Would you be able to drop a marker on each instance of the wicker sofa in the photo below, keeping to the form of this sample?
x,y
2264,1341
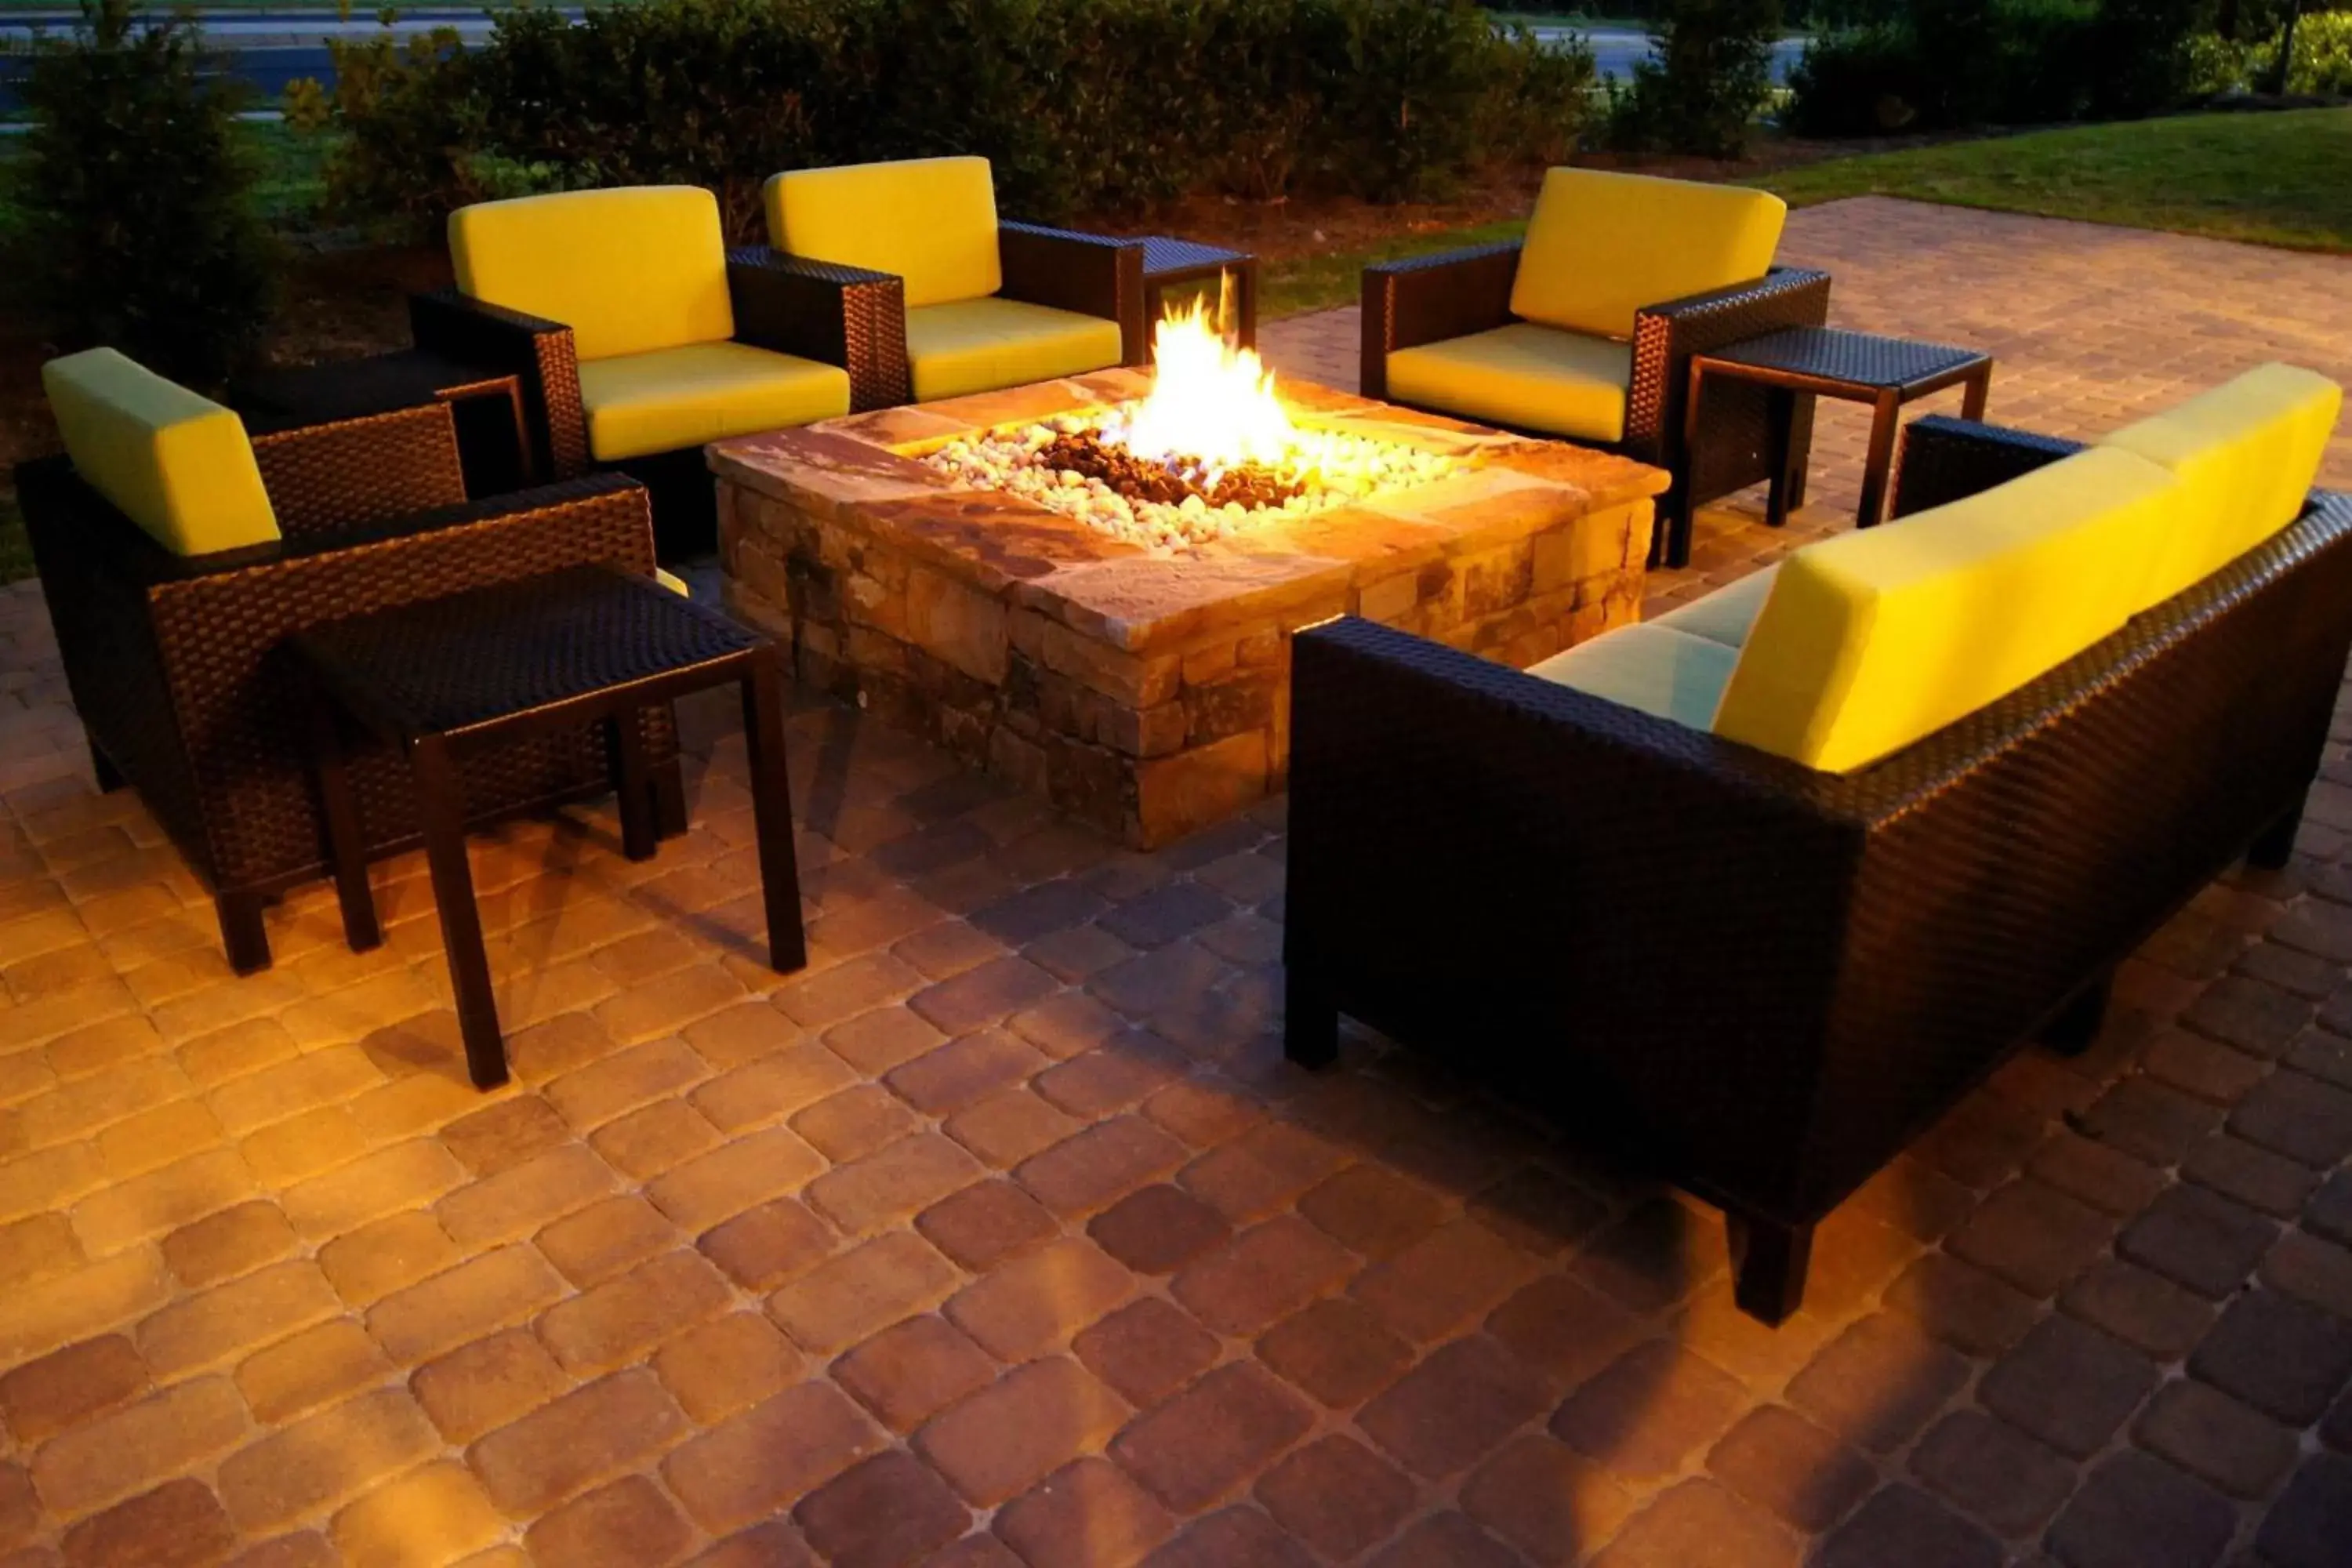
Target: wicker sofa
x,y
1763,975
1585,330
639,337
177,557
981,304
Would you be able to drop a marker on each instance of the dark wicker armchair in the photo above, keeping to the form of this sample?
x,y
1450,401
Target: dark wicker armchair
x,y
176,663
1428,299
1764,979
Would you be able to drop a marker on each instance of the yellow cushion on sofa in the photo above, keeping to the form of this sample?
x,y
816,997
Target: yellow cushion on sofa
x,y
979,345
177,464
1522,375
2247,452
629,270
1652,668
1601,246
931,221
670,398
1870,640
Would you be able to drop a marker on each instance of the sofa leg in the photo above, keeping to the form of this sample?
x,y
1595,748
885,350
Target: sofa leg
x,y
1311,1020
2275,846
244,936
2070,1031
109,777
1768,1262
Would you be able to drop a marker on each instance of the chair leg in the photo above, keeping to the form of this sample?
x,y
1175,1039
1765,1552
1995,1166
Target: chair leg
x,y
625,749
1769,1261
2076,1024
2275,846
109,777
245,938
772,813
346,852
1310,1019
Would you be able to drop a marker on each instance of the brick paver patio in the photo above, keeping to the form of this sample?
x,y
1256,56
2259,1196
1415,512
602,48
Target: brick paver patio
x,y
1005,1235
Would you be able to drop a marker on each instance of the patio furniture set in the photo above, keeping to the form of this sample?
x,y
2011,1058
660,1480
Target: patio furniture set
x,y
1789,870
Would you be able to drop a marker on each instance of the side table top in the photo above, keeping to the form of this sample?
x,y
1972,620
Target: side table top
x,y
354,389
1164,255
1859,359
444,666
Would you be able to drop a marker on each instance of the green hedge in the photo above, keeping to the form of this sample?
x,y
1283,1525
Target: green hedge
x,y
1083,105
2322,59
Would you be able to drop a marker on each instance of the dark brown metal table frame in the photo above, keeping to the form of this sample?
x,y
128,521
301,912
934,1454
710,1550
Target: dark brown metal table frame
x,y
1886,421
1241,263
433,757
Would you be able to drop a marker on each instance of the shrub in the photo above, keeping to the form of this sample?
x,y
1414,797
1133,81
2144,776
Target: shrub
x,y
1709,75
2322,59
134,195
1081,105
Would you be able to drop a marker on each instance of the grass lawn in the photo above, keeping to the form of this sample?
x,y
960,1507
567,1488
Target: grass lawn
x,y
2271,179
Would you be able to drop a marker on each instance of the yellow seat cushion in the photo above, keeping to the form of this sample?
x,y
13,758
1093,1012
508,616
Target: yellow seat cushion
x,y
1654,668
671,398
1601,246
177,464
931,221
1728,614
979,345
629,270
1522,375
2247,451
1870,640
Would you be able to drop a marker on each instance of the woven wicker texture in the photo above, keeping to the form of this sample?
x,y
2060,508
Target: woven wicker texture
x,y
1771,977
490,653
1864,359
848,316
1946,459
178,672
350,472
1092,274
1163,255
447,322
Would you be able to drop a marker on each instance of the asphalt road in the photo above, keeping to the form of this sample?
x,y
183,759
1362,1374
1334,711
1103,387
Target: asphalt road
x,y
275,50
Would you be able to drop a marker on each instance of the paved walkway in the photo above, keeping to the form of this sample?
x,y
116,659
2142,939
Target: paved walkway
x,y
1003,1236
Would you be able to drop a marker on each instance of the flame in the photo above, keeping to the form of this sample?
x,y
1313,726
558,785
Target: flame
x,y
1210,405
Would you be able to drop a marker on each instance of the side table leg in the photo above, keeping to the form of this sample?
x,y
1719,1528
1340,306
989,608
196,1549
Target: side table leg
x,y
1980,387
1885,420
771,811
345,851
625,743
1249,302
1780,423
441,803
1682,517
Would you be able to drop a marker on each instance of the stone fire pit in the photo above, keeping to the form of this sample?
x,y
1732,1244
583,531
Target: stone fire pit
x,y
1146,690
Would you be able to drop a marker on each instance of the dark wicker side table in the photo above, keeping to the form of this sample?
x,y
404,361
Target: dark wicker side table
x,y
439,678
1167,260
494,444
1858,367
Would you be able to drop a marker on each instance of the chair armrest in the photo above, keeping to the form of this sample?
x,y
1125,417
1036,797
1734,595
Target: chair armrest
x,y
1092,274
848,316
1419,300
1665,336
1946,459
327,477
538,351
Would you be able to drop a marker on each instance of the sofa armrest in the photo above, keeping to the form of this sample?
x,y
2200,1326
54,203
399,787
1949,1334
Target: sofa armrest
x,y
1665,335
326,476
1422,299
1946,459
1092,274
848,316
538,351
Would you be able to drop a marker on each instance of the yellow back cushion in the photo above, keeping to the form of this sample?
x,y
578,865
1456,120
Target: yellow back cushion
x,y
629,270
2247,451
931,221
177,464
1870,640
1601,246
